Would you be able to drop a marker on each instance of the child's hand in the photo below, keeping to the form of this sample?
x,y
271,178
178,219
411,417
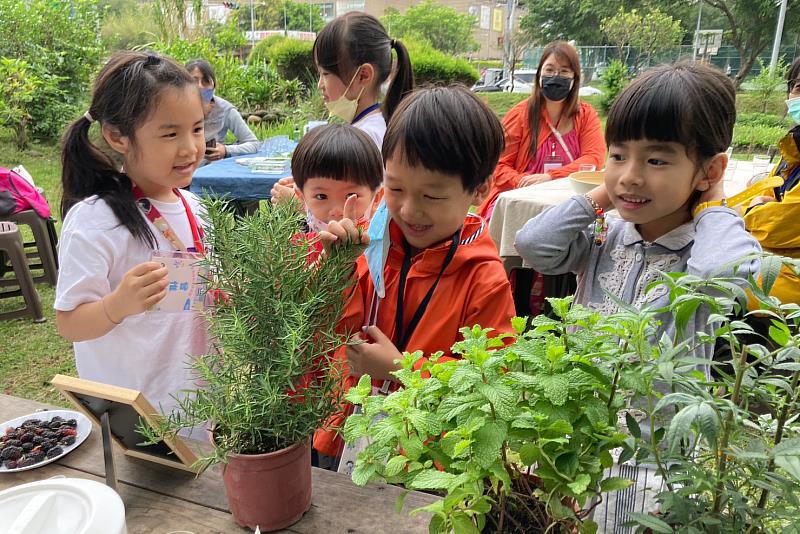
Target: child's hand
x,y
600,195
216,153
282,189
345,231
758,201
532,179
714,192
141,287
375,359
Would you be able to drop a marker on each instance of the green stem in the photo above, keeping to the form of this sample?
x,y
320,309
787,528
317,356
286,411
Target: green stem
x,y
789,402
721,458
654,443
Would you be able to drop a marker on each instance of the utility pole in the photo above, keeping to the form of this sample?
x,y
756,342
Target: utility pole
x,y
696,40
252,25
776,45
507,48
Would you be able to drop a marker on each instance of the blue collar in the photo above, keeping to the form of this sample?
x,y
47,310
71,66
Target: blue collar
x,y
366,112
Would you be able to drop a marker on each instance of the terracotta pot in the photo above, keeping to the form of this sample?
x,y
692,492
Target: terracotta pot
x,y
269,491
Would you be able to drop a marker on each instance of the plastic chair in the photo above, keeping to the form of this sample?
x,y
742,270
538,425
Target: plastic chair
x,y
41,252
13,251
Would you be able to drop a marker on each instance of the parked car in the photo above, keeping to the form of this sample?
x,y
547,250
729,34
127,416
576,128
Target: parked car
x,y
523,81
489,81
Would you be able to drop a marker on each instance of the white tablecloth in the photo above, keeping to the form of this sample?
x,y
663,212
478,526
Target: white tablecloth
x,y
515,208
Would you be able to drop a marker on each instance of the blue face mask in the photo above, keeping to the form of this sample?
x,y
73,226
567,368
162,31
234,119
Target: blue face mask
x,y
793,105
206,95
378,249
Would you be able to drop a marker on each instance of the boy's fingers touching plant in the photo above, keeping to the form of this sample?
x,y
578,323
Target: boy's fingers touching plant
x,y
375,358
344,232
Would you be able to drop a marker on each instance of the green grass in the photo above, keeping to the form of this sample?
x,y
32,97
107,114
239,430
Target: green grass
x,y
30,354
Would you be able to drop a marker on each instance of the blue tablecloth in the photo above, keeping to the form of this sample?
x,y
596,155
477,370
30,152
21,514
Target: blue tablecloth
x,y
238,181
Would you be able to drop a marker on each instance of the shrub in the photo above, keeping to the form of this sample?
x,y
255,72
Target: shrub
x,y
16,93
130,26
434,67
615,78
293,60
767,84
262,51
60,43
756,136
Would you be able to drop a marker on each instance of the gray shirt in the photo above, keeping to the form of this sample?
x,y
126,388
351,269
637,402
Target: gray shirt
x,y
223,117
560,240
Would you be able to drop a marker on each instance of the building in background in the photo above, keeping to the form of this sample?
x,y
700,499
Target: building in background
x,y
488,33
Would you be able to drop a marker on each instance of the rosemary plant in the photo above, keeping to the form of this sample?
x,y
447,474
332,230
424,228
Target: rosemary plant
x,y
270,382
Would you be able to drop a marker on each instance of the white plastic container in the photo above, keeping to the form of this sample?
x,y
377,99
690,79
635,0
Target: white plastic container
x,y
61,506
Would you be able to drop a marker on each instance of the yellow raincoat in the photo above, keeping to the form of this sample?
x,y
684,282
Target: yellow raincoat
x,y
777,224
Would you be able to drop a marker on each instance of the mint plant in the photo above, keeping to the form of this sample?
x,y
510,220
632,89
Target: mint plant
x,y
547,397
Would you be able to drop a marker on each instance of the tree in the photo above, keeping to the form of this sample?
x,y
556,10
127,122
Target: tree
x,y
283,15
767,83
16,94
752,27
645,31
551,20
175,17
445,28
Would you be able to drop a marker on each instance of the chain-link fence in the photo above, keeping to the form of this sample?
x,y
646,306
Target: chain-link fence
x,y
595,59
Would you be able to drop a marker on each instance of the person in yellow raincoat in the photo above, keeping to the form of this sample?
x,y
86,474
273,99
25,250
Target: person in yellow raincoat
x,y
775,220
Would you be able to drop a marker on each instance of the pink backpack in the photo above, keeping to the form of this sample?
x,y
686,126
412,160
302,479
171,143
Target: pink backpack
x,y
17,194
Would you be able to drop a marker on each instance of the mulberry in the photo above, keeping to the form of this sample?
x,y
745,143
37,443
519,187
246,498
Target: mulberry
x,y
55,451
11,453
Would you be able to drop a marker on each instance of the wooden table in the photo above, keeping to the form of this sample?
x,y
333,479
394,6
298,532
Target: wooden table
x,y
514,208
160,499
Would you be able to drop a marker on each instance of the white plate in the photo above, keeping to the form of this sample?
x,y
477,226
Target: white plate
x,y
84,428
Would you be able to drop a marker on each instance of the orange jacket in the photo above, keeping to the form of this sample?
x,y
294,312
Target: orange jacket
x,y
516,156
473,290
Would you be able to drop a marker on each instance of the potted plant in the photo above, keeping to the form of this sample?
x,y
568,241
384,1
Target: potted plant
x,y
728,446
269,383
546,397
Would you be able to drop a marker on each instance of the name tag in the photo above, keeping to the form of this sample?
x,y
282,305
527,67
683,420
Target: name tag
x,y
186,282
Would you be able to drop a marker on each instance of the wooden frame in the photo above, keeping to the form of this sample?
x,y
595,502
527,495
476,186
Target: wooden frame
x,y
83,394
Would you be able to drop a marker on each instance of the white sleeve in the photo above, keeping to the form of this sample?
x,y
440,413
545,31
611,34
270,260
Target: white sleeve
x,y
85,257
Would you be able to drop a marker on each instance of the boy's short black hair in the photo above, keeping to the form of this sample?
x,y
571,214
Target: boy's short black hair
x,y
687,103
447,130
338,152
793,75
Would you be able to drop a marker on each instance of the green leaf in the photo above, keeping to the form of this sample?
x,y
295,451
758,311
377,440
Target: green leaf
x,y
355,427
770,270
529,454
437,525
488,443
431,479
502,398
681,425
597,412
779,335
633,425
555,388
401,500
519,324
462,524
581,483
363,472
614,484
412,447
648,521
395,466
787,456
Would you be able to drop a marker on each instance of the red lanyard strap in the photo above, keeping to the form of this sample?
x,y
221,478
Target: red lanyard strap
x,y
160,222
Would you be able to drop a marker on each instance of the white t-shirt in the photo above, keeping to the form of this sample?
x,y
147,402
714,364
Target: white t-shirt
x,y
149,352
373,125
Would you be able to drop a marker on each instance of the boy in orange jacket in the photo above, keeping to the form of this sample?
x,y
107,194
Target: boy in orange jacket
x,y
437,268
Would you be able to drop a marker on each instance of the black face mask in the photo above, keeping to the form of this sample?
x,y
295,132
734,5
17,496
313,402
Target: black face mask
x,y
556,88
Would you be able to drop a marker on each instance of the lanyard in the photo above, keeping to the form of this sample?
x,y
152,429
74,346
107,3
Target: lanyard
x,y
366,112
161,223
403,335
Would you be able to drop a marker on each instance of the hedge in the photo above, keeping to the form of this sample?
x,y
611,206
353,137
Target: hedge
x,y
293,60
433,67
